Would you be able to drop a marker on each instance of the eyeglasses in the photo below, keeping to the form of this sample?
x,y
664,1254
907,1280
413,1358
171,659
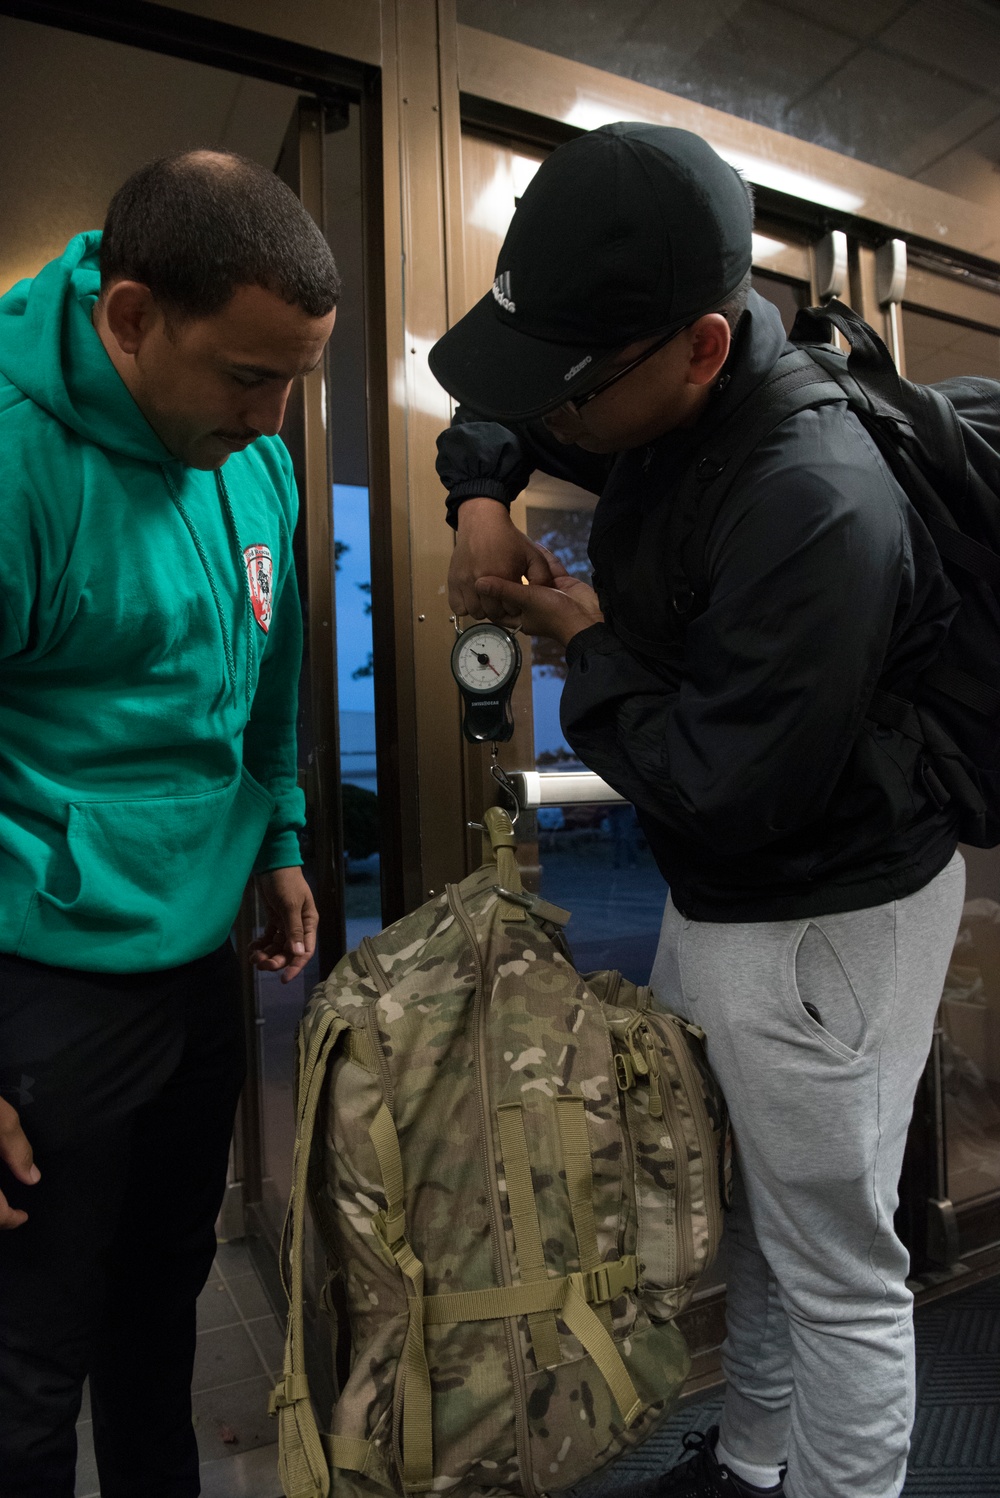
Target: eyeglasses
x,y
577,403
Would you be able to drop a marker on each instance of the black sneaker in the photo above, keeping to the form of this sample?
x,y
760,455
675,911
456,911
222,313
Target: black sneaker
x,y
701,1476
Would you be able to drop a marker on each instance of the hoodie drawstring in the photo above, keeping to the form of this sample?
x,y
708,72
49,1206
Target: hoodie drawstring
x,y
209,571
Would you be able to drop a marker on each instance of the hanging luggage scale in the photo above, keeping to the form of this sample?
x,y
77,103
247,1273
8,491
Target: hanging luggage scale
x,y
485,661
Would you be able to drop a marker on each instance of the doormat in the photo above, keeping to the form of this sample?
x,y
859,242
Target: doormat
x,y
956,1438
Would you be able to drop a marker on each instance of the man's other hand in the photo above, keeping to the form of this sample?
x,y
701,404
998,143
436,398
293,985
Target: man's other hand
x,y
289,938
560,610
15,1152
490,544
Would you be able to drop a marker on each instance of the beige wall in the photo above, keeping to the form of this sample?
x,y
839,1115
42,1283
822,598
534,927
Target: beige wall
x,y
78,114
349,28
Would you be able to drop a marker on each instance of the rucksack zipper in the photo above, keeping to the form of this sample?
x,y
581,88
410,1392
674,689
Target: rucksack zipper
x,y
614,987
637,1059
371,964
662,1105
501,1263
632,1187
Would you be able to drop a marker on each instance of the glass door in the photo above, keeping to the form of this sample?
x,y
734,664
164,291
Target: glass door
x,y
951,327
783,268
265,1137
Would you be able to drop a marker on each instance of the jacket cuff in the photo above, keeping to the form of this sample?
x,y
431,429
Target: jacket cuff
x,y
477,489
591,638
279,850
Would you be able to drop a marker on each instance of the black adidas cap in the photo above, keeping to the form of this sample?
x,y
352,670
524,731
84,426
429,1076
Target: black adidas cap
x,y
628,232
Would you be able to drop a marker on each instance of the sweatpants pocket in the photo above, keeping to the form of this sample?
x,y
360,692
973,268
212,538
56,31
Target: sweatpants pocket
x,y
826,993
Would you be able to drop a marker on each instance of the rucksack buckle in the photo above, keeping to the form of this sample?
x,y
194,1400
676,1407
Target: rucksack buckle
x,y
288,1391
607,1281
597,1285
390,1235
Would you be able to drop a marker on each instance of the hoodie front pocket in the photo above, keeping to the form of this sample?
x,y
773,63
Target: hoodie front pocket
x,y
151,883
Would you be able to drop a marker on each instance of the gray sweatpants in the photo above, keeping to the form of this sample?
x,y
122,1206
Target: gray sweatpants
x,y
818,1356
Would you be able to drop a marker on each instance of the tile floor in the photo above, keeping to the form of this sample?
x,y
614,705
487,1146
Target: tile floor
x,y
956,1440
240,1344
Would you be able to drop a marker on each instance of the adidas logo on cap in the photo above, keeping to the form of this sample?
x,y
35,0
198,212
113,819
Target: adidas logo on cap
x,y
501,292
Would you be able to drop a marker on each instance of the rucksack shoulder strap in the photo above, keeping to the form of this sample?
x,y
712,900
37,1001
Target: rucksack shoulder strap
x,y
916,427
879,394
796,383
868,363
301,1460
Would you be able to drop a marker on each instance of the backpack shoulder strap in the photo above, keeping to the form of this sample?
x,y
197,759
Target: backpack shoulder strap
x,y
917,415
869,368
301,1457
916,428
796,383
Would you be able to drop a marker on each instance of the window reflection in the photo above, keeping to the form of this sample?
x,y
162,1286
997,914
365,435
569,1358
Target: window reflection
x,y
356,698
785,294
594,860
970,1020
596,863
938,348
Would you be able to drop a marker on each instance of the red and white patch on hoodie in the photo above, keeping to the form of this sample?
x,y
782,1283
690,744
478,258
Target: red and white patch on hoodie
x,y
260,571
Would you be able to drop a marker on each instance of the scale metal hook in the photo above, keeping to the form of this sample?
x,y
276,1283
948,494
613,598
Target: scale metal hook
x,y
503,780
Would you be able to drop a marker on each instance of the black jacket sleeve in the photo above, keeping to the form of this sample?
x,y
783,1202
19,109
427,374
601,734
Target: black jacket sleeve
x,y
808,566
484,458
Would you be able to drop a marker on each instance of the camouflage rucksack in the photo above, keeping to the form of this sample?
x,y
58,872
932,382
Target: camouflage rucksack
x,y
516,1170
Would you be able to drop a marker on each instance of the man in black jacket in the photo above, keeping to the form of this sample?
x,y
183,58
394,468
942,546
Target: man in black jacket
x,y
718,677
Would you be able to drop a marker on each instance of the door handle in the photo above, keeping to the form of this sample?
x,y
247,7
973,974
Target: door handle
x,y
562,788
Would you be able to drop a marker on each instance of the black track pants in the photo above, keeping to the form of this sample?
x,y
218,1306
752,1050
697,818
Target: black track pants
x,y
126,1085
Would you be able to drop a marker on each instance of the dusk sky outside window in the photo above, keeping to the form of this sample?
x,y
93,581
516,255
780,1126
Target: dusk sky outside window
x,y
354,635
354,625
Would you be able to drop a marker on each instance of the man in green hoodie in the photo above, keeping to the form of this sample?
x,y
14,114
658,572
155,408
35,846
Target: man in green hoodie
x,y
150,643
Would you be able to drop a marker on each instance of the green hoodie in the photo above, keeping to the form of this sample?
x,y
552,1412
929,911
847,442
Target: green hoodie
x,y
150,639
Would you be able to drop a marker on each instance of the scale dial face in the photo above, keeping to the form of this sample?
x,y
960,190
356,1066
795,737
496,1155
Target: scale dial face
x,y
485,659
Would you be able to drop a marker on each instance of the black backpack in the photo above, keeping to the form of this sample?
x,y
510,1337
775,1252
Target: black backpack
x,y
942,443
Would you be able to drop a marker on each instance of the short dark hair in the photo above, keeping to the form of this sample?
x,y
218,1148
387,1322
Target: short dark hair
x,y
195,226
735,304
